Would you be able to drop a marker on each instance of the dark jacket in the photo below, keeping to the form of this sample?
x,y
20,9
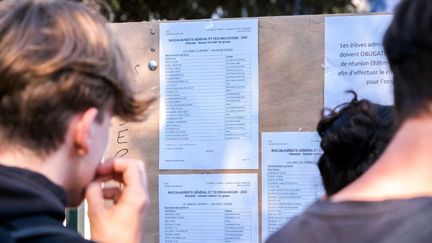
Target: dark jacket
x,y
32,199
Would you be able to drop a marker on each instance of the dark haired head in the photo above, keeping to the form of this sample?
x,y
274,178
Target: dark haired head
x,y
408,46
353,136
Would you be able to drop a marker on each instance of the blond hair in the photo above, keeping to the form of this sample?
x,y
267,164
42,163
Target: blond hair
x,y
58,58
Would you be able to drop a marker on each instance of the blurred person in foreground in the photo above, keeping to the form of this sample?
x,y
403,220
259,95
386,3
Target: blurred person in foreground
x,y
62,78
392,201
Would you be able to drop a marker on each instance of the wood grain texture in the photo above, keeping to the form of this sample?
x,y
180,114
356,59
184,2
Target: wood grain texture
x,y
291,73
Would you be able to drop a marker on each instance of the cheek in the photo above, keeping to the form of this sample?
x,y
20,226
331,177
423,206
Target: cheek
x,y
105,134
103,142
102,139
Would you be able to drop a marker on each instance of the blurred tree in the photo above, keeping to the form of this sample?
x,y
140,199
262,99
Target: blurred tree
x,y
140,10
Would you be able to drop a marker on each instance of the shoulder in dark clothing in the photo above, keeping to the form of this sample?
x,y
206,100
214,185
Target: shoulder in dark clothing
x,y
30,199
358,222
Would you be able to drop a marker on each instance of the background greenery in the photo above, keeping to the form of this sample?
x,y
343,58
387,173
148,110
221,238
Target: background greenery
x,y
144,10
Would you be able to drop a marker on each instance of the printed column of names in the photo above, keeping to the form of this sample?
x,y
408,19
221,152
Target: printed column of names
x,y
290,176
219,225
289,194
202,89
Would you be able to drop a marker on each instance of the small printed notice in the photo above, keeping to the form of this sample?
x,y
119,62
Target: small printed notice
x,y
209,95
208,208
290,177
355,60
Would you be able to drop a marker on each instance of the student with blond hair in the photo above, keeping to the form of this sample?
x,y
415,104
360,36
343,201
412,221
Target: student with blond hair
x,y
62,78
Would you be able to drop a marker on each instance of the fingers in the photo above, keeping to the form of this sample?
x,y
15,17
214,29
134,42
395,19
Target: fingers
x,y
106,168
115,176
112,193
130,201
128,171
94,196
133,176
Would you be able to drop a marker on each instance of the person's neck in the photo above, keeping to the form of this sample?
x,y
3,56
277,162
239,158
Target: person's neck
x,y
25,159
404,170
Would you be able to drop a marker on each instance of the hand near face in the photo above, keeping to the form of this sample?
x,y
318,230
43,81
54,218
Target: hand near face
x,y
122,221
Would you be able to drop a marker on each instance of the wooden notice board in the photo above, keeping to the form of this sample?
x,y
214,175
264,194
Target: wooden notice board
x,y
291,78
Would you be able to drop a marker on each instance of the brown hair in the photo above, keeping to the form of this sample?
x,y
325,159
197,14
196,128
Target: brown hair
x,y
57,58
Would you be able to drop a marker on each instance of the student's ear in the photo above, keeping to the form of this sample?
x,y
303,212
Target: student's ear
x,y
83,130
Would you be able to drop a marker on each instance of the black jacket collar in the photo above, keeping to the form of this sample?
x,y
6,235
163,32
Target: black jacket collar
x,y
25,193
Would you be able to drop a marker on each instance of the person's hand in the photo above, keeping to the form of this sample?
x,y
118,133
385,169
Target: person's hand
x,y
122,221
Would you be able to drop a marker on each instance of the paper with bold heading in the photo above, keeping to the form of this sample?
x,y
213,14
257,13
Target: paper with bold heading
x,y
208,208
209,95
290,176
355,60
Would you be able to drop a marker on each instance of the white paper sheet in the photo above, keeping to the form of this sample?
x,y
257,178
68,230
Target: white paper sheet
x,y
290,176
355,60
209,95
208,208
